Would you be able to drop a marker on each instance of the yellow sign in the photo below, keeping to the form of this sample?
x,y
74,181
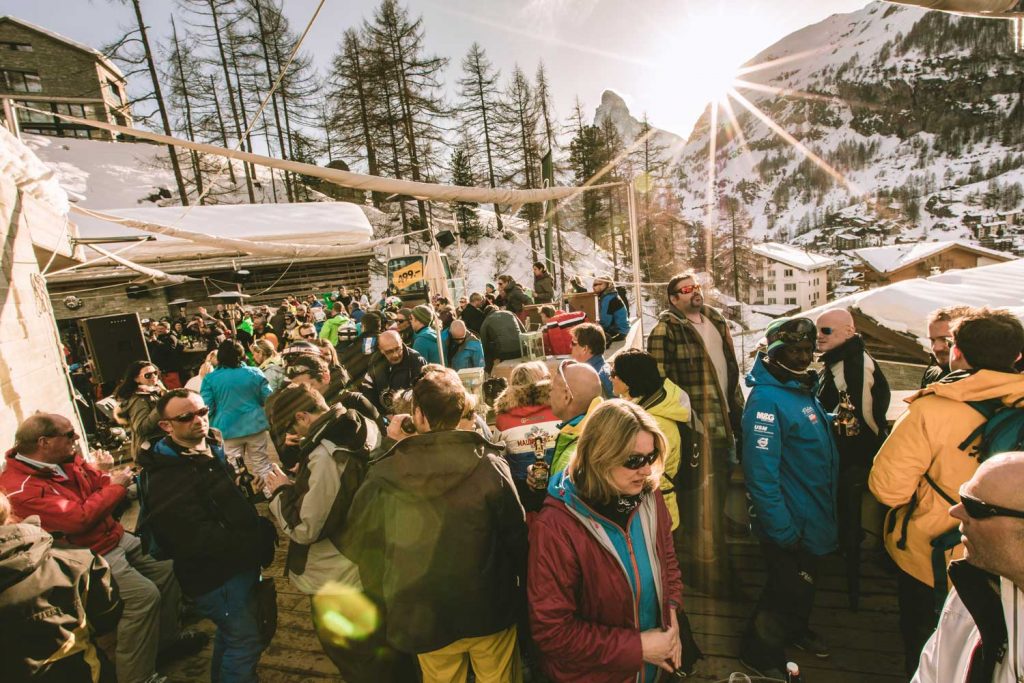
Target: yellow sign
x,y
408,276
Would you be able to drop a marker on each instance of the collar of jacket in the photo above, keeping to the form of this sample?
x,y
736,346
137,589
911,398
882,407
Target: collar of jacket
x,y
979,592
571,426
167,451
331,427
654,399
12,462
849,348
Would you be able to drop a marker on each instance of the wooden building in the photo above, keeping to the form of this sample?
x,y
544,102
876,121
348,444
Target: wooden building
x,y
895,263
47,71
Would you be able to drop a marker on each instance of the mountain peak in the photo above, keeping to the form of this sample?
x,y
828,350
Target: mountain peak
x,y
613,107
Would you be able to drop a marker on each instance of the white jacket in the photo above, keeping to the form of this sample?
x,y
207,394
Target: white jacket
x,y
948,653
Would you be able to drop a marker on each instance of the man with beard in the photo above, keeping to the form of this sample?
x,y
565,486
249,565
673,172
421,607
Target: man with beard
x,y
924,462
694,349
853,387
939,336
790,465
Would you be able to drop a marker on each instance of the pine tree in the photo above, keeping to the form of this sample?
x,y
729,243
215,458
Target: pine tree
x,y
586,158
735,260
478,90
183,78
519,117
466,217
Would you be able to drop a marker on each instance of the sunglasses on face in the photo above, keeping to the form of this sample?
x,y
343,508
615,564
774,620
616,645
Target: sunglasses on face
x,y
978,509
311,335
151,375
71,434
401,321
688,289
827,331
185,418
636,461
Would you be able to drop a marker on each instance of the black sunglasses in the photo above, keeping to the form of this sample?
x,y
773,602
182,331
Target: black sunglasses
x,y
151,375
636,461
826,330
185,418
978,509
70,434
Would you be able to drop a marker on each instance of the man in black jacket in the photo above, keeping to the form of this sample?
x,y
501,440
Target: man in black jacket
x,y
853,387
439,535
473,314
202,521
395,367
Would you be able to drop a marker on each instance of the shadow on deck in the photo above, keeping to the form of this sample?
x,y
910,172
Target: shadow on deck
x,y
866,645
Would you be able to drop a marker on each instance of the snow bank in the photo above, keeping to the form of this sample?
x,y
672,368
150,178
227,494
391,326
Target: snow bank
x,y
888,259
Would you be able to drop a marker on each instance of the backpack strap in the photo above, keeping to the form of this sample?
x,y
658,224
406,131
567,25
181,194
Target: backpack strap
x,y
988,409
940,545
901,543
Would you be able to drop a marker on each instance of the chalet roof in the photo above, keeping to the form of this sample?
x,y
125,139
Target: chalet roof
x,y
792,256
894,257
67,41
903,307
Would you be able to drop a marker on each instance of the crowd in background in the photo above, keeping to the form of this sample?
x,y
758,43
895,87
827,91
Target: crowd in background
x,y
540,530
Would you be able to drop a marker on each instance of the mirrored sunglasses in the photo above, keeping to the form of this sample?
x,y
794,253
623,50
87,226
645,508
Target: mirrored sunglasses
x,y
636,461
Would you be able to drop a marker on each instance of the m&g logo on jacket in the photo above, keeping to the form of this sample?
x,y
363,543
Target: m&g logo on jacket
x,y
766,417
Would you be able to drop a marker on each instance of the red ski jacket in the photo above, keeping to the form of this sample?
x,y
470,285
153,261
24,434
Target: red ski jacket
x,y
79,506
557,335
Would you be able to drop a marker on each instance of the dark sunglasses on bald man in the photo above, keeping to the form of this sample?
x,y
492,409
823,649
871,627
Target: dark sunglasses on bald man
x,y
185,418
979,509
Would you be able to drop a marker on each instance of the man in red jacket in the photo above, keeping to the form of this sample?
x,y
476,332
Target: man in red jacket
x,y
46,476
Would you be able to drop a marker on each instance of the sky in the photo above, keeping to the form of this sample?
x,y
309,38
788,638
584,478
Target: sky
x,y
667,58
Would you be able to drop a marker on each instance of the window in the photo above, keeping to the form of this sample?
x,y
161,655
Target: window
x,y
771,274
771,286
15,47
39,123
21,81
788,272
791,302
771,300
790,287
114,91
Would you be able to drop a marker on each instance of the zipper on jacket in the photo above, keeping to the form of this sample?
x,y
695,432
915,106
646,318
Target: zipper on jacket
x,y
639,588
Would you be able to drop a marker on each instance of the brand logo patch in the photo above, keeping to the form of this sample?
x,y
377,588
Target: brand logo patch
x,y
765,417
762,443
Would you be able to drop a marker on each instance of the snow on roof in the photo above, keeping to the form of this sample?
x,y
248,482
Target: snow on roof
x,y
847,236
904,306
17,161
336,223
64,39
893,257
792,256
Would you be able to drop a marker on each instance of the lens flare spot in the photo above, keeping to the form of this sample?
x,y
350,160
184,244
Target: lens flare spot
x,y
342,613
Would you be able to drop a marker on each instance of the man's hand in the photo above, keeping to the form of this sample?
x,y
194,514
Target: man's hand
x,y
395,427
102,458
292,439
273,479
122,477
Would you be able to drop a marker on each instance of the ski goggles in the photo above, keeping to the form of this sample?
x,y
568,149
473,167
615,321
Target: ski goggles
x,y
791,331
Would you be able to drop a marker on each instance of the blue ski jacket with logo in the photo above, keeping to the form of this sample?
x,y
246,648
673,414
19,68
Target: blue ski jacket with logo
x,y
790,463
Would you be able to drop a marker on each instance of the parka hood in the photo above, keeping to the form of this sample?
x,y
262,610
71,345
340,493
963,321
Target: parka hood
x,y
23,547
674,406
430,465
979,386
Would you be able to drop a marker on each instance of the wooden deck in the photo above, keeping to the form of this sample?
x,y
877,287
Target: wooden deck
x,y
866,645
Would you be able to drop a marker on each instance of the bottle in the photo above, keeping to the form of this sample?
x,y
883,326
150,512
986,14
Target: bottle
x,y
793,673
540,471
245,478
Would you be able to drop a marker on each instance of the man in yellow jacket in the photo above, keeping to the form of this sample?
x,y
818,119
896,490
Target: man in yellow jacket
x,y
920,468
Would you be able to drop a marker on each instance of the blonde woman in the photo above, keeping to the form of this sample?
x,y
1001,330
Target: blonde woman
x,y
603,584
269,362
526,425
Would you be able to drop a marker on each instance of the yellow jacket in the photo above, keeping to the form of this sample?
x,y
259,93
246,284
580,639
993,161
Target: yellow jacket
x,y
669,411
925,440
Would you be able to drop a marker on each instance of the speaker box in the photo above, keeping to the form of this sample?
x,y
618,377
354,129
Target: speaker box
x,y
445,239
113,342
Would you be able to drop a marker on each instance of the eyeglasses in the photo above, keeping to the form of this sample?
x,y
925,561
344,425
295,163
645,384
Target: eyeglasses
x,y
71,434
978,509
561,375
185,418
151,375
637,460
401,321
688,289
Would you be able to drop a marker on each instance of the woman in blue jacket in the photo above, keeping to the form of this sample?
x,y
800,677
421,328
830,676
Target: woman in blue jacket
x,y
611,309
424,339
235,394
791,466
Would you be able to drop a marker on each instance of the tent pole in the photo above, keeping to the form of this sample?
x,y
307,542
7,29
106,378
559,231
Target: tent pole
x,y
634,232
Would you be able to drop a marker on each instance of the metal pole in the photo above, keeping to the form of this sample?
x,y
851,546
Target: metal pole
x,y
548,170
634,231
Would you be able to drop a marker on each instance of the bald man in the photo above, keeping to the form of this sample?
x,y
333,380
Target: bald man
x,y
394,367
464,348
851,376
575,389
979,637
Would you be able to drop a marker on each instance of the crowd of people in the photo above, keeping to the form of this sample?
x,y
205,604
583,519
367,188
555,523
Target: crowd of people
x,y
549,543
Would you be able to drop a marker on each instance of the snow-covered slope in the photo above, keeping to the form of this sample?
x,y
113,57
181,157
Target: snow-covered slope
x,y
918,115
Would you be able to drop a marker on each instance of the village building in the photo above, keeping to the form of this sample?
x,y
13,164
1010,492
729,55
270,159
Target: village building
x,y
49,72
789,276
894,263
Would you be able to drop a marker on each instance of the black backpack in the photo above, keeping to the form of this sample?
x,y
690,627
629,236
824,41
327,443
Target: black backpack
x,y
144,527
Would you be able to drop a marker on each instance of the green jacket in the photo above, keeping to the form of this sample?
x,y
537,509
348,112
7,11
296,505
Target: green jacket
x,y
331,326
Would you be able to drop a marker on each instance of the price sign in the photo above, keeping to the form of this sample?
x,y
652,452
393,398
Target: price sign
x,y
408,276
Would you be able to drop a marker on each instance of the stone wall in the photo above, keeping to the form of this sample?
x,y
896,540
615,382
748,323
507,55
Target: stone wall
x,y
32,373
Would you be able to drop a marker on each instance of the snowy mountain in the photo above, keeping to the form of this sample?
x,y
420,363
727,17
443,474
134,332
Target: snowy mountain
x,y
614,107
917,114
